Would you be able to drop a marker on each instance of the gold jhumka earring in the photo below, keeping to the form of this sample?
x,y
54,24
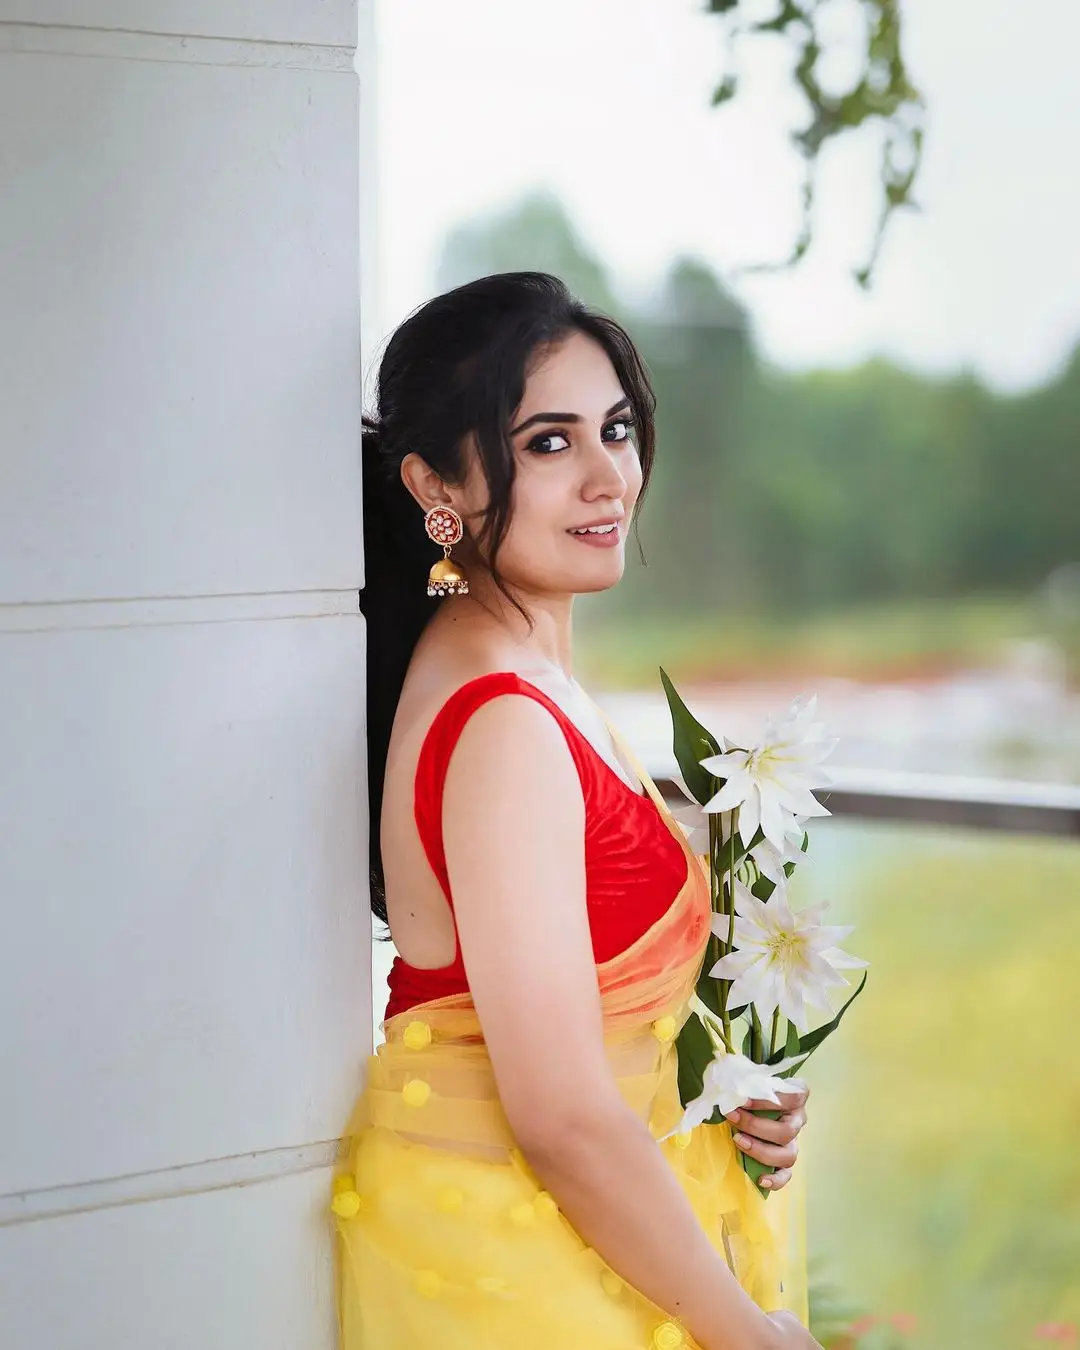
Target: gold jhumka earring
x,y
444,527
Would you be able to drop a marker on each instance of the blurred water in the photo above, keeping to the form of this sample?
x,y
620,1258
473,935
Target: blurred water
x,y
1018,721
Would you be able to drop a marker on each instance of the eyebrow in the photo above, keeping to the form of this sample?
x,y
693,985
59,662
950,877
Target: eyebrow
x,y
566,417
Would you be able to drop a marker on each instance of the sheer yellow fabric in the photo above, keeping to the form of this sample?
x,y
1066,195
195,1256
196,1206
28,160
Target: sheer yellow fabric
x,y
446,1238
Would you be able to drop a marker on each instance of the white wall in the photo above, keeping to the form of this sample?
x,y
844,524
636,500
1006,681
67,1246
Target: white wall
x,y
184,967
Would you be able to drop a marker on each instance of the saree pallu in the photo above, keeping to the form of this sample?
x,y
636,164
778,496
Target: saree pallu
x,y
447,1239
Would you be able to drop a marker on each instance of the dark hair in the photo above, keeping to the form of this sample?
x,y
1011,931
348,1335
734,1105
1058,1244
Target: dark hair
x,y
457,366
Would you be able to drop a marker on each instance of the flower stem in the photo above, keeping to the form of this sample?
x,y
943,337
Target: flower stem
x,y
757,1038
775,1029
717,895
731,881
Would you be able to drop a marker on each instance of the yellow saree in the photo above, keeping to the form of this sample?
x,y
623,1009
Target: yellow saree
x,y
446,1238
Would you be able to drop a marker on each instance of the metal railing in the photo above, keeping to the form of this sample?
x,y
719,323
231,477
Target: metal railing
x,y
998,805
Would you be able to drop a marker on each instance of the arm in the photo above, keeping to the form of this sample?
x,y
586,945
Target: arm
x,y
513,823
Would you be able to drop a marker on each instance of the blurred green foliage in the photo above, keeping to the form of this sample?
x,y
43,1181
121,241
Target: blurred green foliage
x,y
801,494
944,1174
874,640
881,93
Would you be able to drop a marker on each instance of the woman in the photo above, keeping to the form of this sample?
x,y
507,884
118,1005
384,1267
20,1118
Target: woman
x,y
506,1184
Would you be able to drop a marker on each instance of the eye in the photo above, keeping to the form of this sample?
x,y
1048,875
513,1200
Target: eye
x,y
550,443
620,430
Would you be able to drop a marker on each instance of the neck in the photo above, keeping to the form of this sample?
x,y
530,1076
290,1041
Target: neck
x,y
550,636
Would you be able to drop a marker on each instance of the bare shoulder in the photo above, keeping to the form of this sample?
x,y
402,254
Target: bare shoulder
x,y
513,814
512,779
439,671
512,734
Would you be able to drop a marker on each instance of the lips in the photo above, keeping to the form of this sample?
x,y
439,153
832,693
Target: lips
x,y
604,534
609,527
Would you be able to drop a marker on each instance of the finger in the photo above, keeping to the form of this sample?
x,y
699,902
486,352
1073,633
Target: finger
x,y
789,1101
781,1131
772,1155
776,1181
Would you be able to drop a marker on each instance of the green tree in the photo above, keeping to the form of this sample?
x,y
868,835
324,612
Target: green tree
x,y
534,236
1026,506
698,351
783,492
862,480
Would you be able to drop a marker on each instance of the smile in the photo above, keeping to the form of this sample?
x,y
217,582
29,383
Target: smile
x,y
599,536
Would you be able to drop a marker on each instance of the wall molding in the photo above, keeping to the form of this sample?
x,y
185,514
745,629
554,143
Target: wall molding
x,y
166,611
170,1183
121,44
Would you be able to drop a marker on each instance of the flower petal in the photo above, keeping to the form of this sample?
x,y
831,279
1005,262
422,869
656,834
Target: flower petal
x,y
733,965
774,819
725,765
731,795
750,815
798,800
844,960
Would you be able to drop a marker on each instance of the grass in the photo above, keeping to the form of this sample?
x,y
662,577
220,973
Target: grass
x,y
944,1173
884,640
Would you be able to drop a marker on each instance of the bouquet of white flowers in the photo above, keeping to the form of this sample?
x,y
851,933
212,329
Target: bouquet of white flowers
x,y
767,964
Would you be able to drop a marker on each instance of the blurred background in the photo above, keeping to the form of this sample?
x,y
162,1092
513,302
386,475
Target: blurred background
x,y
872,493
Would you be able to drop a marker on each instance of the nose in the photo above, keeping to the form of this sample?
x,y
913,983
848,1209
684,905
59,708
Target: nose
x,y
603,476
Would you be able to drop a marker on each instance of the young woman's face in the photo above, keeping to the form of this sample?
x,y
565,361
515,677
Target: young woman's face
x,y
577,475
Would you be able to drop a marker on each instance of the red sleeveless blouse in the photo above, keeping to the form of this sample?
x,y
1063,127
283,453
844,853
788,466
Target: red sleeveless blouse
x,y
634,866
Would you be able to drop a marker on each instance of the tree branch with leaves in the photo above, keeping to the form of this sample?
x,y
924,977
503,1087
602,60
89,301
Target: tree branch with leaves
x,y
883,93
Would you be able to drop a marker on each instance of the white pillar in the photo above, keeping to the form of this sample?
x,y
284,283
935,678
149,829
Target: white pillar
x,y
184,969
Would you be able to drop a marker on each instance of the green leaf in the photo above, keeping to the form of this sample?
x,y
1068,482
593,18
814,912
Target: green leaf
x,y
729,853
789,1049
708,990
694,1049
725,91
810,1042
691,743
763,889
756,1170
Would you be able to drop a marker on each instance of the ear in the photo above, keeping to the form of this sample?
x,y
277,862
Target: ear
x,y
423,483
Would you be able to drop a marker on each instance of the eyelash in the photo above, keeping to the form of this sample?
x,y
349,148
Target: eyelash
x,y
627,422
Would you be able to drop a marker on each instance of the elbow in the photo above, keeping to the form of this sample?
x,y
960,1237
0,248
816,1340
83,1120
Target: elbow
x,y
553,1133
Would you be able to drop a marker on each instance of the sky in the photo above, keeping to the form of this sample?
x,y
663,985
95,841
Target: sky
x,y
606,102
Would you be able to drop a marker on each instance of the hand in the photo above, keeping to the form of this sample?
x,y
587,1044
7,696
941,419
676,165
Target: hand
x,y
772,1142
793,1332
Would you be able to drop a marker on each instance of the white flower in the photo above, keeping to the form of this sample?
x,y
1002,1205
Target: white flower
x,y
731,1081
770,782
783,958
770,860
694,823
